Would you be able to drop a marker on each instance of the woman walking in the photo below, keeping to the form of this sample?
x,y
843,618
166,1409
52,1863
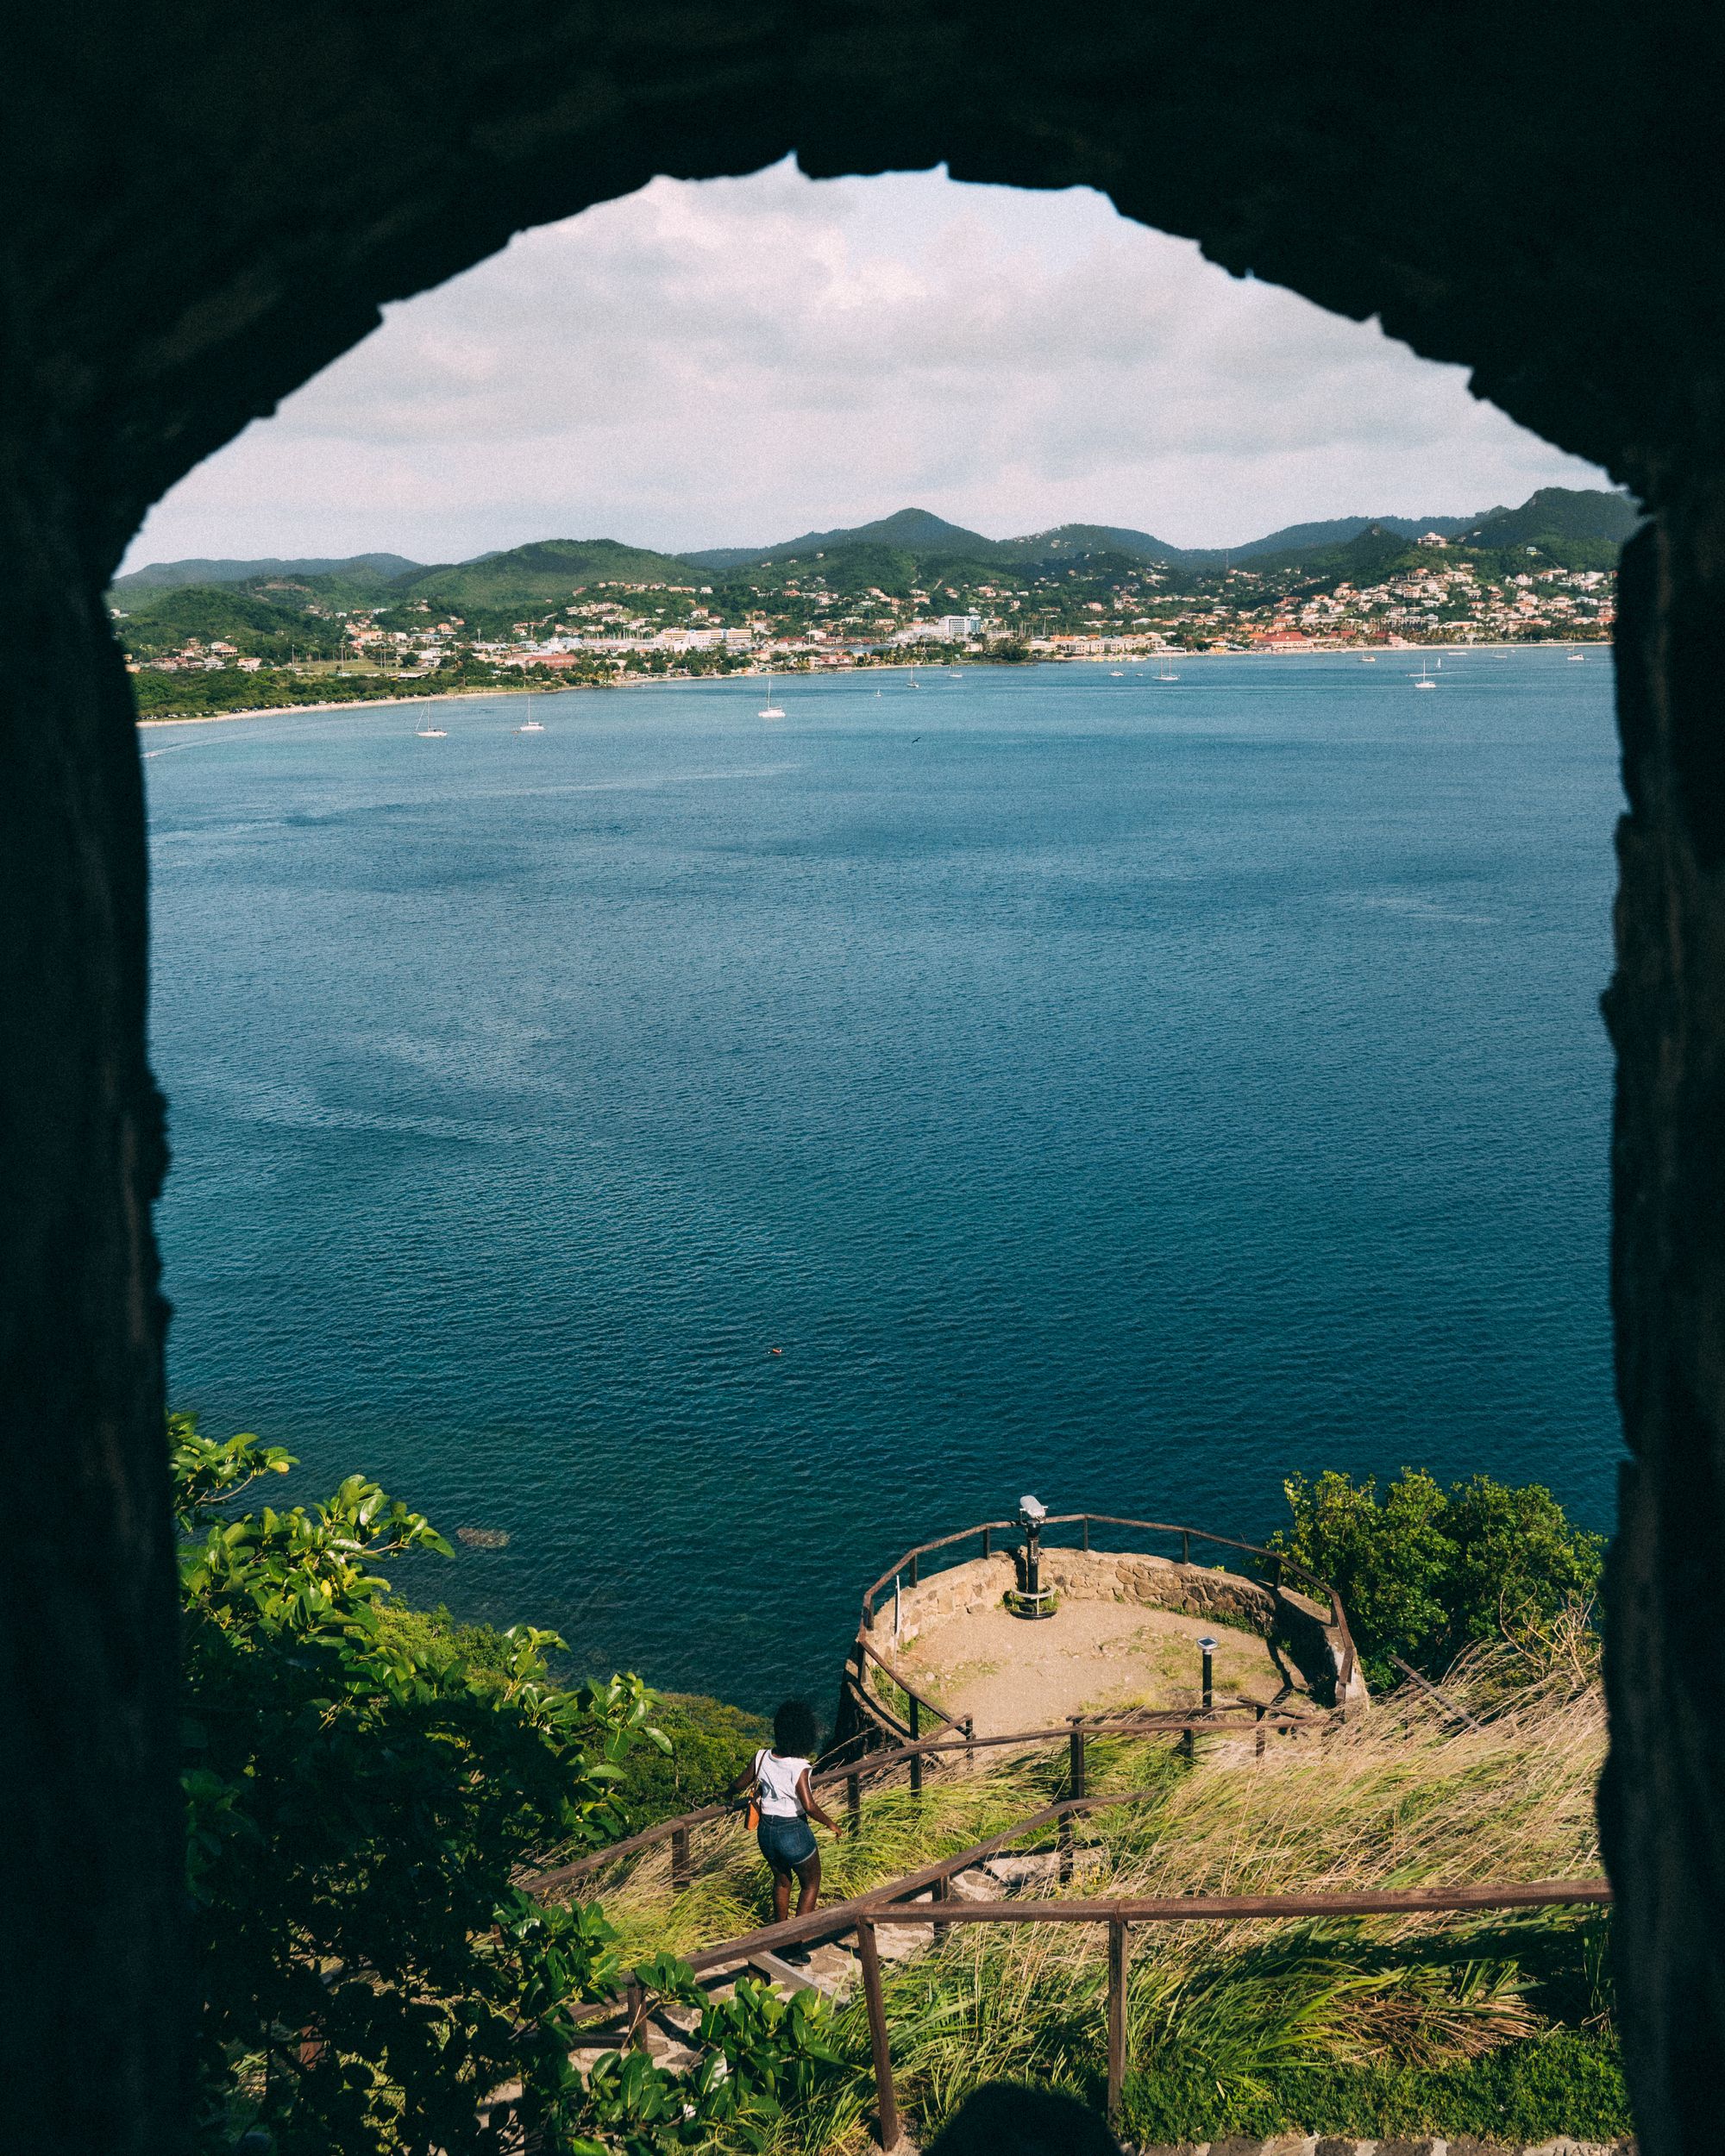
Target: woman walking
x,y
780,1778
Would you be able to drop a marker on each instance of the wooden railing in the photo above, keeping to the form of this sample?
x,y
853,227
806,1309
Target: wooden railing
x,y
895,1902
1233,1717
891,1905
1120,1912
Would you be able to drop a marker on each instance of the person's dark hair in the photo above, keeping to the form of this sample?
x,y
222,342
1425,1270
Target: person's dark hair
x,y
795,1729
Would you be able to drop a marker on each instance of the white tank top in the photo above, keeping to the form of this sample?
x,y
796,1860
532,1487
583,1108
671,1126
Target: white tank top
x,y
778,1779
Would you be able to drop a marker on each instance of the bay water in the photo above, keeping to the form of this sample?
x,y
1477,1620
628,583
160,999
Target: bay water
x,y
719,1153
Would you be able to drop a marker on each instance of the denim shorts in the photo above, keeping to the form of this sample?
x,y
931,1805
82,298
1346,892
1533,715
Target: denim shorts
x,y
784,1843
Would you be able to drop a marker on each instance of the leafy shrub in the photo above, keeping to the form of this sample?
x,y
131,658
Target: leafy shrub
x,y
1561,2082
711,1743
1426,1572
361,1798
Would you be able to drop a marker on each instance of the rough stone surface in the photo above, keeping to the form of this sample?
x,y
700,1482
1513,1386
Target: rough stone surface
x,y
1334,2144
204,205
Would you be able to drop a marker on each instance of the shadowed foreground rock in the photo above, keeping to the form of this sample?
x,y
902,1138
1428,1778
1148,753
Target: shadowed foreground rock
x,y
1007,2119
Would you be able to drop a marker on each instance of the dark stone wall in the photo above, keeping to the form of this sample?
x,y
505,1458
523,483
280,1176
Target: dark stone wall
x,y
1663,1798
202,205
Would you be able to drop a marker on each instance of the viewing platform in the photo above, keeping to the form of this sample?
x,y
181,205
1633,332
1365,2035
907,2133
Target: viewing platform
x,y
998,1628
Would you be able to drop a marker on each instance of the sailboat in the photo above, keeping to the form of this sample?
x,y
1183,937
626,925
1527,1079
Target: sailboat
x,y
1164,672
429,732
1423,679
1577,658
769,710
531,724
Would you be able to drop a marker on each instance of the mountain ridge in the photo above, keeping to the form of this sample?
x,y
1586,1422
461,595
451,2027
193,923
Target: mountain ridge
x,y
547,569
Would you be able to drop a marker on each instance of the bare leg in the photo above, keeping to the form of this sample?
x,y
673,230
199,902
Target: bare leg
x,y
808,1876
781,1897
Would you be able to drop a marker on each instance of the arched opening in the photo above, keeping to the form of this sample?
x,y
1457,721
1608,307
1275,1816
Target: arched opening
x,y
124,374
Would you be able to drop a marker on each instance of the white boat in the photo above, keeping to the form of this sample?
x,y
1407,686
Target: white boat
x,y
1423,679
1367,659
532,726
429,732
1115,674
769,710
1165,673
1577,658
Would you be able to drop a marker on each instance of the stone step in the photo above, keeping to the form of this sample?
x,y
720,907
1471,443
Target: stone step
x,y
1334,2144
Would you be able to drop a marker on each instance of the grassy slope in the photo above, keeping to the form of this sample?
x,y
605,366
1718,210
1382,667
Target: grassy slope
x,y
1427,2025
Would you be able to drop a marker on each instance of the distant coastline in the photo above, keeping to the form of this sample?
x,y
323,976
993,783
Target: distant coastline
x,y
893,666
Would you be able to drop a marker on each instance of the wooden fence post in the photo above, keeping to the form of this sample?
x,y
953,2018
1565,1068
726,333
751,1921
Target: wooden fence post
x,y
886,2097
988,1541
680,1858
637,2017
969,1726
853,1802
1257,1746
916,1570
1185,1546
1085,1543
1117,2016
1076,1752
916,1757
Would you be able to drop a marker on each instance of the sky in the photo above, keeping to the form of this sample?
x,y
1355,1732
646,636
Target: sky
x,y
733,362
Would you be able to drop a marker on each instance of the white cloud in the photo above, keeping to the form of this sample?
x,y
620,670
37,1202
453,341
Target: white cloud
x,y
733,361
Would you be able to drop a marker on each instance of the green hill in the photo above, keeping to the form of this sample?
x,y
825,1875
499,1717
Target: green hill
x,y
257,625
1561,513
165,575
1066,543
543,571
913,531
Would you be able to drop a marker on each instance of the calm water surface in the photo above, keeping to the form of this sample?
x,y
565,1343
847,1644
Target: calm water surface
x,y
1121,1090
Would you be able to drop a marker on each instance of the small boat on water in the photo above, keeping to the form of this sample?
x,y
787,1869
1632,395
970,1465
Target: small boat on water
x,y
769,709
1367,659
531,724
429,732
1423,680
1577,658
1115,674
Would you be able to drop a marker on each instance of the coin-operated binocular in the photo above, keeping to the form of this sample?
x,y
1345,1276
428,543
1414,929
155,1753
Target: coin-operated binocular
x,y
1031,1598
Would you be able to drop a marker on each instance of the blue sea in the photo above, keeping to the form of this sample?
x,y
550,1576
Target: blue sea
x,y
719,1153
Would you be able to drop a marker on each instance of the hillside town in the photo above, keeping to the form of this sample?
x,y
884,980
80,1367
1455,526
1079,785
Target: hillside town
x,y
593,613
664,626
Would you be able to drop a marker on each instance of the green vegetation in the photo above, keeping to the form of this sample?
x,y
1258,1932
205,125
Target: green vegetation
x,y
609,612
361,1795
1425,1572
365,1783
711,1743
1562,2081
1427,2025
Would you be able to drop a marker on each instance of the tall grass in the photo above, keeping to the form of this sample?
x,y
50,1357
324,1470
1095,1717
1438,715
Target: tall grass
x,y
1403,1797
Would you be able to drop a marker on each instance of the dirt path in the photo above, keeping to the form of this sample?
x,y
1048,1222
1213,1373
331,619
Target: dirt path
x,y
1090,1657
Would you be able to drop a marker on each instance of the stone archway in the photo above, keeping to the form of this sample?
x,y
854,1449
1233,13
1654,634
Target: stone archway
x,y
206,204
